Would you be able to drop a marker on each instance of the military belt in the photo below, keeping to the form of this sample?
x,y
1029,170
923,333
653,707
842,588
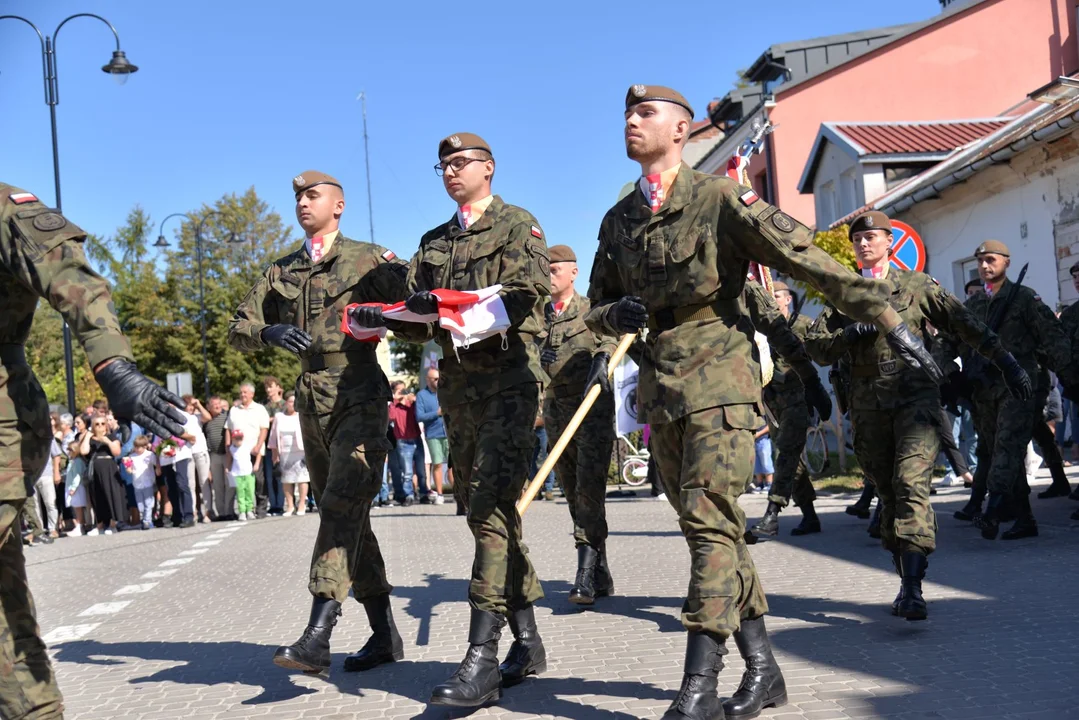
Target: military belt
x,y
669,318
12,354
315,363
885,368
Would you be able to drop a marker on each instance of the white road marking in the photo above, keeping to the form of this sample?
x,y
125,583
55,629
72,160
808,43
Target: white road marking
x,y
176,561
200,551
207,543
106,608
135,589
68,632
158,573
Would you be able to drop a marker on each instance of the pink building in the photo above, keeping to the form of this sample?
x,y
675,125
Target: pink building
x,y
976,59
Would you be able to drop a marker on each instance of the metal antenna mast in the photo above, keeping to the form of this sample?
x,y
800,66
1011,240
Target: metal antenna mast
x,y
367,162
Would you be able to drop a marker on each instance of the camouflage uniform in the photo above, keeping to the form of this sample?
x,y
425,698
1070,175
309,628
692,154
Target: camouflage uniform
x,y
489,392
41,256
788,413
895,410
700,380
341,397
583,466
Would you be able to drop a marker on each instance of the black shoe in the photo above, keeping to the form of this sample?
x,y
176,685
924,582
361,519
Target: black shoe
x,y
861,509
311,653
166,522
425,500
698,698
602,581
762,683
461,509
749,538
932,490
810,522
477,679
527,655
1056,490
188,524
911,604
408,501
45,539
769,524
989,521
385,644
874,524
584,587
897,564
1075,494
1025,527
969,512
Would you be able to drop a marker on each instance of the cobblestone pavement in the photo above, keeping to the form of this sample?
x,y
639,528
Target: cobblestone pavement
x,y
183,623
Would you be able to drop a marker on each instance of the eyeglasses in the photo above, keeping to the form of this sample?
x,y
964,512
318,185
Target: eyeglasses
x,y
457,165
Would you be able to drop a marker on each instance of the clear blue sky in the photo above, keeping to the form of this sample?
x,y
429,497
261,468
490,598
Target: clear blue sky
x,y
234,94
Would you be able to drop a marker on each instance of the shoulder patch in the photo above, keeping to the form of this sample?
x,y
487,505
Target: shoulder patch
x,y
748,198
389,255
23,197
536,232
49,222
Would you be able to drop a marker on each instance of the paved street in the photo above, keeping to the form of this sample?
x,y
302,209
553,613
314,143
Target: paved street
x,y
183,623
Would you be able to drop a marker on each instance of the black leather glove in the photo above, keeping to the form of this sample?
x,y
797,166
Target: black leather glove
x,y
423,303
817,397
908,347
628,315
289,337
597,374
858,330
1015,377
368,316
134,398
548,356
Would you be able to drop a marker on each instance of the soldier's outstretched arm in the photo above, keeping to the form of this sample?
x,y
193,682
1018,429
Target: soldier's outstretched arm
x,y
770,322
825,340
255,313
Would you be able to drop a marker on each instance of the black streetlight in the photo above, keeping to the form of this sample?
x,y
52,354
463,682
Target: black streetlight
x,y
118,67
163,243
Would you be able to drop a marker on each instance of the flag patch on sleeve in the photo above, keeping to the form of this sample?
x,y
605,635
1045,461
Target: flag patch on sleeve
x,y
389,255
748,198
536,232
23,197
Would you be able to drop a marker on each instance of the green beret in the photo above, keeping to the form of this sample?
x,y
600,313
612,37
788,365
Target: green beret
x,y
311,178
871,220
993,247
561,253
459,142
649,93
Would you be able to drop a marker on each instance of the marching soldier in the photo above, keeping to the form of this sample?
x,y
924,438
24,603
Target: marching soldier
x,y
341,396
572,356
1044,437
41,256
489,393
895,410
789,397
673,257
1069,321
1026,326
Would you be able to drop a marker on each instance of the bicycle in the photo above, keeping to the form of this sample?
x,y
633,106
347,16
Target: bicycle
x,y
635,465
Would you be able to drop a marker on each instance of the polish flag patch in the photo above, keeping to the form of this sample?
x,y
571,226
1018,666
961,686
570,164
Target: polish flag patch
x,y
748,198
389,255
536,232
23,197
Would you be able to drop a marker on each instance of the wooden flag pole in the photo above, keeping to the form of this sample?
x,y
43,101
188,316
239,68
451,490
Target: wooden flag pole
x,y
537,482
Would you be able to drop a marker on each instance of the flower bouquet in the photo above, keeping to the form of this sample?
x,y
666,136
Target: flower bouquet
x,y
128,464
168,446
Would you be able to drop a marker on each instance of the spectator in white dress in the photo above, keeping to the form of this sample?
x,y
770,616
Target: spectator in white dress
x,y
286,443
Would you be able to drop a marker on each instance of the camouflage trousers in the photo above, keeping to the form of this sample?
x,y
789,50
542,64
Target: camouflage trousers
x,y
789,438
898,449
345,453
1004,425
705,461
27,683
583,466
491,442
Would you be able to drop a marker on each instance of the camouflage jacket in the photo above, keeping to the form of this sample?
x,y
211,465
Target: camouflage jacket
x,y
41,256
1028,328
786,341
313,298
574,343
695,252
505,246
1069,323
880,380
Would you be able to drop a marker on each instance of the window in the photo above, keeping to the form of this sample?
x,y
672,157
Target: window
x,y
827,206
848,192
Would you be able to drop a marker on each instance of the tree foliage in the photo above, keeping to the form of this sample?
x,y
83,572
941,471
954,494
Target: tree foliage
x,y
837,244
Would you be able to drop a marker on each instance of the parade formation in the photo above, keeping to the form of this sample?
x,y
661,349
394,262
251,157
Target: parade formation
x,y
682,266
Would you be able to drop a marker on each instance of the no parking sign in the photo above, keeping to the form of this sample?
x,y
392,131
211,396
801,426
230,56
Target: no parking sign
x,y
908,250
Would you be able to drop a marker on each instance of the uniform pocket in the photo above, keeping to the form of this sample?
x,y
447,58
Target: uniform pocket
x,y
686,245
742,417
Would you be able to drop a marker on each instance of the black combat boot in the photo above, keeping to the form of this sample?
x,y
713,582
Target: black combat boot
x,y
1060,486
1025,525
698,698
1075,494
527,655
769,524
602,580
477,679
972,510
874,523
911,603
584,587
762,683
989,521
810,522
860,509
897,564
384,645
311,653
748,537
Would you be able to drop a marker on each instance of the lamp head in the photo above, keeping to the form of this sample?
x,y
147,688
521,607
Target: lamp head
x,y
119,67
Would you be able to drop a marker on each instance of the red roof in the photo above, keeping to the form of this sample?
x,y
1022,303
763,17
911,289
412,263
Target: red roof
x,y
915,137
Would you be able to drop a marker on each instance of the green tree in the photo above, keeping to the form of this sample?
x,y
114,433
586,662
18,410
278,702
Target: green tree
x,y
835,242
407,357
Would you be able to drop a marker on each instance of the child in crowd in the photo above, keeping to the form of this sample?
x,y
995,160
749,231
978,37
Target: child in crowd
x,y
242,475
144,470
75,486
762,466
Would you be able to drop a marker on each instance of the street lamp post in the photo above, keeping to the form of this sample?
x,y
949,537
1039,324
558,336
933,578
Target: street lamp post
x,y
119,67
163,243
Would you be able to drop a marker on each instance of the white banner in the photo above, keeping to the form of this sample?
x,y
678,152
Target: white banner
x,y
625,397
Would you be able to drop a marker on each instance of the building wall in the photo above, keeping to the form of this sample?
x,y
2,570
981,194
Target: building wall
x,y
1038,189
832,190
951,70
